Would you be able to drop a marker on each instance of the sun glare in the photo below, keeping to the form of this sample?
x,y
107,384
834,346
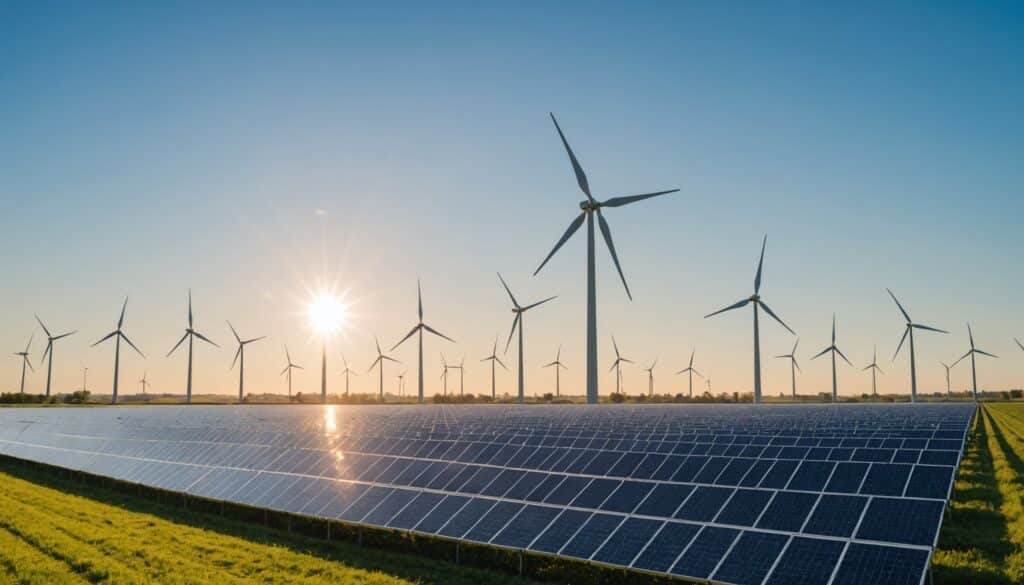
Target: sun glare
x,y
326,313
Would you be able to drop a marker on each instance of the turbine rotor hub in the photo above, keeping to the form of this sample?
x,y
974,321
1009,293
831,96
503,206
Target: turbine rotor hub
x,y
588,205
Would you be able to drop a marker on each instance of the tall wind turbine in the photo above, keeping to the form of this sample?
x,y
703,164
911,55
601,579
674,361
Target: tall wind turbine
x,y
190,333
833,349
240,355
144,382
462,375
873,366
591,207
518,322
650,377
118,335
558,365
494,358
419,328
793,366
617,366
758,303
909,331
972,352
288,370
949,391
380,360
689,370
346,372
25,361
49,350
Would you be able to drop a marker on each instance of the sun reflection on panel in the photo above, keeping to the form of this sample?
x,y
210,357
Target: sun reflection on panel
x,y
330,420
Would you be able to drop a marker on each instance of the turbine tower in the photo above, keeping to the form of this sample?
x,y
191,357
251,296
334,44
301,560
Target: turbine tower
x,y
949,391
591,207
190,333
758,304
419,328
25,361
689,370
118,335
380,360
144,382
793,366
617,366
49,350
347,371
462,375
240,356
909,331
873,366
972,352
518,322
401,382
558,365
288,370
833,349
494,358
650,377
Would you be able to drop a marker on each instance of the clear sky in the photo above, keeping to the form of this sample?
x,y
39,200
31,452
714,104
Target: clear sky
x,y
148,148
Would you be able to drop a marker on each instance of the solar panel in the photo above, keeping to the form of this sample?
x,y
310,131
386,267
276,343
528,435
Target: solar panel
x,y
802,494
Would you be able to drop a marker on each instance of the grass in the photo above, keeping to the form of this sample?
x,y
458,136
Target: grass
x,y
982,539
57,531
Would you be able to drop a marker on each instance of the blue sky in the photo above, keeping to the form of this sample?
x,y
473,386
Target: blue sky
x,y
151,148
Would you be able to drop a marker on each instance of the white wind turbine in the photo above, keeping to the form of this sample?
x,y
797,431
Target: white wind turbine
x,y
873,366
494,358
346,372
591,207
419,328
444,374
288,370
949,391
972,352
617,366
909,331
833,349
518,323
118,335
650,377
558,365
758,304
793,366
190,333
401,382
25,361
690,370
144,383
49,350
240,357
380,360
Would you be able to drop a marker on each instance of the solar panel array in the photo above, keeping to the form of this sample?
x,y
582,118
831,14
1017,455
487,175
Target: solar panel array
x,y
808,494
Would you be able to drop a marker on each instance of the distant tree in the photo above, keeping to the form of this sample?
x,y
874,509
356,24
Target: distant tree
x,y
617,397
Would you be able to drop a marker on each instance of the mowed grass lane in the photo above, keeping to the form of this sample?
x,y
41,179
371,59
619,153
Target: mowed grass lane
x,y
83,534
982,538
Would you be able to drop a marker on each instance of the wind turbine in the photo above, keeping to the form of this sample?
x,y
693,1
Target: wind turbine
x,y
240,355
972,352
758,303
949,392
143,382
401,382
190,333
689,370
558,365
444,373
118,335
833,349
462,375
420,327
49,350
518,322
910,331
380,360
591,207
288,370
25,361
650,377
793,366
346,372
873,366
494,358
617,366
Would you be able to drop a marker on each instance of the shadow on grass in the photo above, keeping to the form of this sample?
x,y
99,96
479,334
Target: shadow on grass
x,y
415,568
975,526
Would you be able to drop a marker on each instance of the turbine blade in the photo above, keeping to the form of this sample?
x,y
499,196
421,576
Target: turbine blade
x,y
607,233
286,369
833,328
391,359
840,352
823,352
528,307
255,339
501,363
573,226
437,333
1019,344
960,360
33,336
616,346
760,264
45,330
927,328
120,320
742,303
551,364
204,338
985,353
407,336
512,331
237,353
510,295
620,201
900,346
970,335
370,369
797,366
64,335
29,364
177,344
189,308
237,338
298,367
129,342
419,299
698,374
774,316
581,177
108,336
902,310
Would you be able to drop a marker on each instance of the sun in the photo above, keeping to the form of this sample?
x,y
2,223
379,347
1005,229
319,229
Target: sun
x,y
326,313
